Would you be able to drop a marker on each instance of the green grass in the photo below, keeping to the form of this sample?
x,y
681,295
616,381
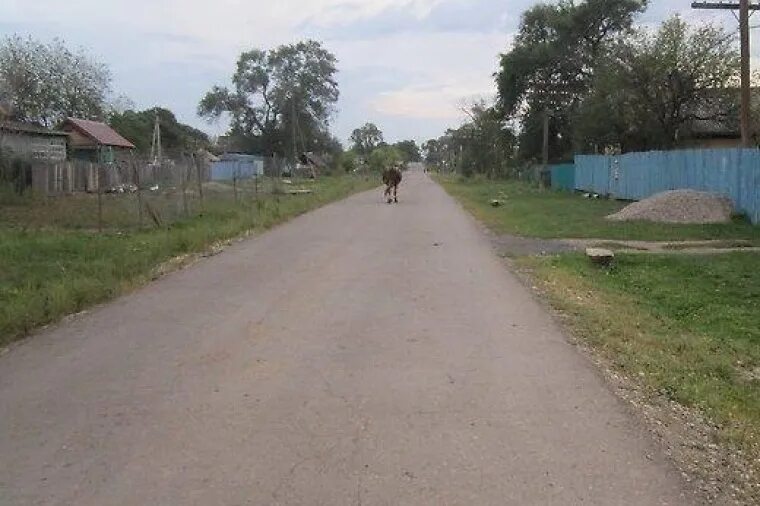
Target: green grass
x,y
49,270
527,211
689,326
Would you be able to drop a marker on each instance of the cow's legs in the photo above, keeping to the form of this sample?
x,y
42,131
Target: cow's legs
x,y
395,193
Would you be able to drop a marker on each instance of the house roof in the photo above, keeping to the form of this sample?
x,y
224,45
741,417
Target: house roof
x,y
28,128
100,133
719,114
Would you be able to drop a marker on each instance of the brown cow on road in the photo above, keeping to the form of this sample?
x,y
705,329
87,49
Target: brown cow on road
x,y
391,180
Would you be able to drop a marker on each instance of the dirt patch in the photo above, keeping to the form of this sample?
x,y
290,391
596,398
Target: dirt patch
x,y
679,206
514,246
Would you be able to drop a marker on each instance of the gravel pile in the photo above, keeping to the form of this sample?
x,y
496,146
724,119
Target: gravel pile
x,y
679,206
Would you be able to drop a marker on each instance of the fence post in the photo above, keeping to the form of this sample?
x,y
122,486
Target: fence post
x,y
100,201
136,171
198,177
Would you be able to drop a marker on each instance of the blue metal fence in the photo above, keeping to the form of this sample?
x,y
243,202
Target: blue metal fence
x,y
563,176
237,167
634,176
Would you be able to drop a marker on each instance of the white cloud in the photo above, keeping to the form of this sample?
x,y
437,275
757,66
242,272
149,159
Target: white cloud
x,y
430,102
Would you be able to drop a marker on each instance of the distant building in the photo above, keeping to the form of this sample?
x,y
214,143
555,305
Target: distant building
x,y
717,123
236,166
95,141
31,142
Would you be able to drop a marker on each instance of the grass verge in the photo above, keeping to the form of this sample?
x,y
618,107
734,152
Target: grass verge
x,y
687,326
50,272
530,212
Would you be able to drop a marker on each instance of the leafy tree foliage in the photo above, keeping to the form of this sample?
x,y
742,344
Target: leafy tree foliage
x,y
137,126
409,150
482,145
383,157
653,86
366,138
46,83
279,97
551,64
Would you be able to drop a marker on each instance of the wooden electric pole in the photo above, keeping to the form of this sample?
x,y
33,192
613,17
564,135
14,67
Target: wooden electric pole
x,y
744,7
746,85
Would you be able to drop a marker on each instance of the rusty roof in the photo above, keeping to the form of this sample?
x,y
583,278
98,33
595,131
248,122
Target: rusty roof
x,y
100,133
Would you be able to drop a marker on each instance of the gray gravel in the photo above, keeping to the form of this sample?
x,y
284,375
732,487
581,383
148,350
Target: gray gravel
x,y
679,206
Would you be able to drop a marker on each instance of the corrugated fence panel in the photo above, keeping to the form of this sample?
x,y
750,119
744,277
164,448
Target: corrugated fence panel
x,y
563,176
592,174
634,176
226,170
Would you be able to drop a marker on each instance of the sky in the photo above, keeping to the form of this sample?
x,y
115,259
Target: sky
x,y
406,65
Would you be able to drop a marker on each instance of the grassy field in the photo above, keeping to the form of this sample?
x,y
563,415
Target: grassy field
x,y
688,326
530,212
53,265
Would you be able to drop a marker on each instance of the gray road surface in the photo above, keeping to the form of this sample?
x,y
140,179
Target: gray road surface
x,y
363,354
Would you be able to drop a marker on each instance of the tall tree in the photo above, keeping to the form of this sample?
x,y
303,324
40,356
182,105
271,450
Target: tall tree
x,y
366,138
384,157
409,150
552,61
482,145
280,99
654,86
45,83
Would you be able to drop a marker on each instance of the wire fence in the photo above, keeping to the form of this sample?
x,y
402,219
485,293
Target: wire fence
x,y
79,194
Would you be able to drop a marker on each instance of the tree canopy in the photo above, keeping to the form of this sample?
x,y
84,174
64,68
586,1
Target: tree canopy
x,y
654,86
279,98
46,83
409,150
551,64
366,138
137,126
484,144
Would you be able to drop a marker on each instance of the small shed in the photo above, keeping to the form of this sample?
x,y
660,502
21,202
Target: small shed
x,y
31,142
95,141
236,166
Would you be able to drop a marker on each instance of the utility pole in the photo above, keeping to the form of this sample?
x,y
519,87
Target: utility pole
x,y
744,7
545,151
539,171
746,90
155,148
293,134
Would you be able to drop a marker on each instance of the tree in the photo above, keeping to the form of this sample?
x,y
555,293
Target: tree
x,y
347,161
552,62
654,85
482,145
281,99
46,83
383,157
409,150
366,138
176,137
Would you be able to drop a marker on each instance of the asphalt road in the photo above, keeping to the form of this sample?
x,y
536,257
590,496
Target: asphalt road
x,y
363,354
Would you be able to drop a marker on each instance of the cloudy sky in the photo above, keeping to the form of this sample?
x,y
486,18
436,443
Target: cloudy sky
x,y
406,65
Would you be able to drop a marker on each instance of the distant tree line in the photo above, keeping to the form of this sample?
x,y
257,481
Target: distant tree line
x,y
597,82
